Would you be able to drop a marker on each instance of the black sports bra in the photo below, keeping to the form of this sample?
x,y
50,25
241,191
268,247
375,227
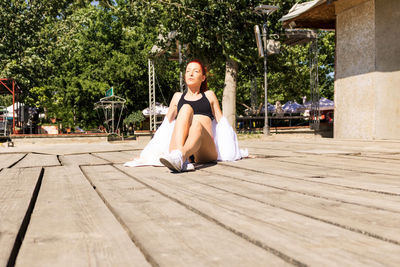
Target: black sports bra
x,y
200,107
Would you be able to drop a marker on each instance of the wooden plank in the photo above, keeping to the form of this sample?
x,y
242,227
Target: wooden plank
x,y
305,239
287,177
290,150
81,159
173,234
269,152
380,146
377,159
367,144
133,153
309,144
364,164
75,147
6,160
118,157
294,144
37,160
17,187
378,223
395,157
382,183
346,176
358,165
310,169
71,226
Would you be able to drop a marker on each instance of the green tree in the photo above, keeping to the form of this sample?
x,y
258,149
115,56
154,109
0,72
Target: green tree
x,y
5,100
134,118
217,31
23,45
94,48
66,54
221,33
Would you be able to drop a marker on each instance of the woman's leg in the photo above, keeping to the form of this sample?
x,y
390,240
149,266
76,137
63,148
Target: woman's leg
x,y
181,129
190,137
200,142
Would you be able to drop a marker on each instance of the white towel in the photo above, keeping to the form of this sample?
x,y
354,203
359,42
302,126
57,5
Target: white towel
x,y
225,140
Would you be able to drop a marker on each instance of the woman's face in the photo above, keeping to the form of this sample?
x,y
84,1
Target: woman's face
x,y
194,75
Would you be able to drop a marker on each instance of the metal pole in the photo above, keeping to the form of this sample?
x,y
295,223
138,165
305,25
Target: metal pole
x,y
112,117
180,67
265,31
150,97
13,107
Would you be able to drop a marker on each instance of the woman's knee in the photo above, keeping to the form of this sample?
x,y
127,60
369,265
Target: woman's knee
x,y
196,127
185,110
185,115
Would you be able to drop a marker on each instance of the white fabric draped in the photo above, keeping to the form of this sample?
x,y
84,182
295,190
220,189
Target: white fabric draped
x,y
225,140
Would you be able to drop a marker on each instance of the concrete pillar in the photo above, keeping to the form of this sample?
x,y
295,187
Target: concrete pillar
x,y
387,13
367,84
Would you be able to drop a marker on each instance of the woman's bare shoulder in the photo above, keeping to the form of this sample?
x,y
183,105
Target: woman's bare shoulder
x,y
178,94
176,97
210,95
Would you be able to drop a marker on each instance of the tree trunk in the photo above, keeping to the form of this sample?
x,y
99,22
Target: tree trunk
x,y
229,97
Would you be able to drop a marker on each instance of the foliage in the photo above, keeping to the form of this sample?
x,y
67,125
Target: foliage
x,y
5,100
216,30
66,53
134,118
23,44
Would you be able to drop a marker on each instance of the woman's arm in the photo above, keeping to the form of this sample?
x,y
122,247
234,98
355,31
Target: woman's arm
x,y
173,107
214,104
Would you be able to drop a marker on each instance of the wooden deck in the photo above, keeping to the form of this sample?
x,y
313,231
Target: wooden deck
x,y
299,201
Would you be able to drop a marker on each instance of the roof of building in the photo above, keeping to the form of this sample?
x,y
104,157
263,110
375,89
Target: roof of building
x,y
313,14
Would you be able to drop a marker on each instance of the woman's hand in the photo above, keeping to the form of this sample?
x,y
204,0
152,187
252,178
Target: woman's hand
x,y
173,107
212,98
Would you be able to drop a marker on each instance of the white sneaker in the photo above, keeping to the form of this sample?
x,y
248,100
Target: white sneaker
x,y
173,161
187,167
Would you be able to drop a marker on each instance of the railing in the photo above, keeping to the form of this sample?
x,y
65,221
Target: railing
x,y
255,123
3,122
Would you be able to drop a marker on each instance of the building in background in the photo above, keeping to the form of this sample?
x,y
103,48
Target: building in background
x,y
367,67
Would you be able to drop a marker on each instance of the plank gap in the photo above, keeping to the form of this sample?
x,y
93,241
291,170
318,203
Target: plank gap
x,y
298,192
105,151
41,153
91,165
59,161
359,231
24,226
262,156
97,156
359,156
333,167
145,253
243,235
15,163
324,183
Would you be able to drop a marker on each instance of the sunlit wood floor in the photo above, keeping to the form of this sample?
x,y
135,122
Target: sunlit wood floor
x,y
296,201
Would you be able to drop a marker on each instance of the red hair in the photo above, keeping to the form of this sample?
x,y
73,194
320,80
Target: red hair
x,y
203,86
